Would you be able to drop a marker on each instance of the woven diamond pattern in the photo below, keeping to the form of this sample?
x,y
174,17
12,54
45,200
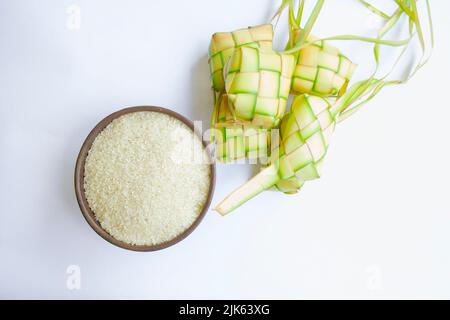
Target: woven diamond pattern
x,y
321,70
258,84
236,140
223,45
305,135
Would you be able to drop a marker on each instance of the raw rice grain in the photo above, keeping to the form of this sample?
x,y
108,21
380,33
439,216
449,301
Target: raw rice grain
x,y
146,178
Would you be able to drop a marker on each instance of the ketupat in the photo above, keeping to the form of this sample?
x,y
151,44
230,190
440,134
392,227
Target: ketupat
x,y
257,88
305,136
239,141
232,143
321,69
236,140
257,84
223,45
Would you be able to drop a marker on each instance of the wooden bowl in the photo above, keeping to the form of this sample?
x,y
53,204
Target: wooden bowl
x,y
79,182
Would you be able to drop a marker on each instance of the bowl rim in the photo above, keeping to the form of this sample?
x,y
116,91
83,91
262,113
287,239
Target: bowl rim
x,y
79,180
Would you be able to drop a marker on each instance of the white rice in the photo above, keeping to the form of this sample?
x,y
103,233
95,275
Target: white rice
x,y
144,178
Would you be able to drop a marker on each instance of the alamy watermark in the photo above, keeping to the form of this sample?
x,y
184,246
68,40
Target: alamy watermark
x,y
73,20
237,143
374,280
73,277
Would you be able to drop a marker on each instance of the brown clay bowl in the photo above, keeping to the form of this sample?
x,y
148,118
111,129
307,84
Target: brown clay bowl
x,y
79,182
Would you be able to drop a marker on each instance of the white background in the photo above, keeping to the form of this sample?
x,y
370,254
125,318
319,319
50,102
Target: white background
x,y
375,226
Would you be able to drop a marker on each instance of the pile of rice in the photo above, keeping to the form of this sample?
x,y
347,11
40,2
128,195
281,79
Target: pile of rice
x,y
147,178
